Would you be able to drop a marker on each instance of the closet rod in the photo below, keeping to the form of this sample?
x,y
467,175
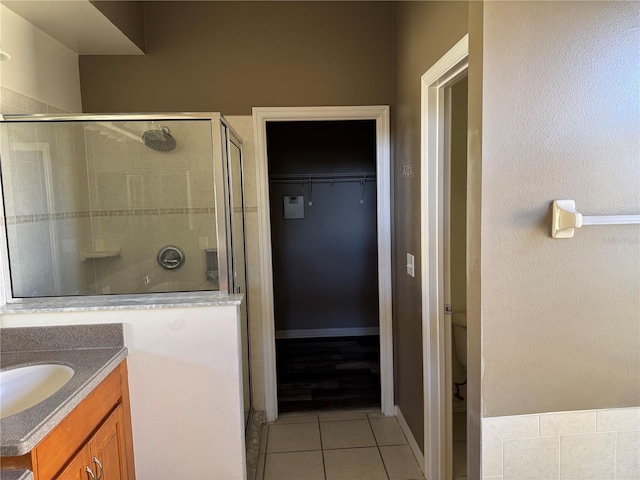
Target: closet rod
x,y
337,180
323,177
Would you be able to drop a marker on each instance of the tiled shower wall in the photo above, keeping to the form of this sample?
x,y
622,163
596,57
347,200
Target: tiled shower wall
x,y
142,200
579,445
83,190
48,216
14,102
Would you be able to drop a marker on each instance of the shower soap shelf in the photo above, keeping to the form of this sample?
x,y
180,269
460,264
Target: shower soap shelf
x,y
99,253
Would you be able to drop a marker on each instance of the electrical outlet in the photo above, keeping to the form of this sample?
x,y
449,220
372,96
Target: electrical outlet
x,y
410,265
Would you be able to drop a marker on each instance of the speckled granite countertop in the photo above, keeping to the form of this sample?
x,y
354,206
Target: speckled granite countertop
x,y
16,475
120,302
93,351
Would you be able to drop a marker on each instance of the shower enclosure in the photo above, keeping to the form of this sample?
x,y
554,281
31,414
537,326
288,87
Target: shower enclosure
x,y
123,204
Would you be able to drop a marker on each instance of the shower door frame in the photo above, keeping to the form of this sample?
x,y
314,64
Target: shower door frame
x,y
262,115
218,150
231,137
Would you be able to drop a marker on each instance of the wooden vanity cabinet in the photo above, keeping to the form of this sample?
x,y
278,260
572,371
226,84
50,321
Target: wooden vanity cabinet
x,y
108,446
104,455
76,469
99,428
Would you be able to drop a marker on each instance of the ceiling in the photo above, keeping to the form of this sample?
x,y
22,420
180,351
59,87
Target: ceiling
x,y
77,24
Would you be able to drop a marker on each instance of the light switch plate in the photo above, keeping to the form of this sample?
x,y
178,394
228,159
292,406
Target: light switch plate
x,y
410,265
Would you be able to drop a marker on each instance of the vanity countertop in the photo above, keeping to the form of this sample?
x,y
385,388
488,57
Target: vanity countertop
x,y
122,302
16,475
93,351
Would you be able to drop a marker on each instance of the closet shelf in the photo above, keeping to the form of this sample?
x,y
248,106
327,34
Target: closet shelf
x,y
99,253
323,177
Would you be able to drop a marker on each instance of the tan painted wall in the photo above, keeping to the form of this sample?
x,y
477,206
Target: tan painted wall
x,y
231,56
560,318
127,16
423,32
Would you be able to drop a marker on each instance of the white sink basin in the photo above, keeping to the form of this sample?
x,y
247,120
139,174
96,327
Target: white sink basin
x,y
24,387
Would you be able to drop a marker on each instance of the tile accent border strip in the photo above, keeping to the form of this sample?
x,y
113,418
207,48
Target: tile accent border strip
x,y
131,212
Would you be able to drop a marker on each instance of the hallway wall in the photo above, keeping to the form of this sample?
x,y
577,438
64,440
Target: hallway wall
x,y
231,56
424,31
560,318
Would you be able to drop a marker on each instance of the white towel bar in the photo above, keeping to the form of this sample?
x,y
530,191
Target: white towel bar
x,y
565,219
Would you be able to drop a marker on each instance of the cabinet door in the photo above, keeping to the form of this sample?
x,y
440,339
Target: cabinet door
x,y
76,469
107,446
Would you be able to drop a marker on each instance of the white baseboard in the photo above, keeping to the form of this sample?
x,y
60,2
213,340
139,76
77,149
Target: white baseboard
x,y
412,441
328,332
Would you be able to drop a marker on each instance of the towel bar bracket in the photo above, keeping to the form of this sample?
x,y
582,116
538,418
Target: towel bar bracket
x,y
565,219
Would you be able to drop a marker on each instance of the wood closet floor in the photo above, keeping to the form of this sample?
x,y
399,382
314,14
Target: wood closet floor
x,y
334,373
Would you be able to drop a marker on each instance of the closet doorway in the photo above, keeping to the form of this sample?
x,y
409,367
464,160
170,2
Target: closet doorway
x,y
325,247
322,194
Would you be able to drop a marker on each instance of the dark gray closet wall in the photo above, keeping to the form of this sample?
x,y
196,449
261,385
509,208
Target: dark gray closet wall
x,y
325,264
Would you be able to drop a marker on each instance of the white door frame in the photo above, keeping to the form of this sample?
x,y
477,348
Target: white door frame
x,y
383,165
433,166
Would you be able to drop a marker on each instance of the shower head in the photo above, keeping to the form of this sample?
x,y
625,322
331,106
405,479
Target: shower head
x,y
159,140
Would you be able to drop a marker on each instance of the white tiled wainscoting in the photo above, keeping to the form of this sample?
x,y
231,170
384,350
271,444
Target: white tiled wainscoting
x,y
580,445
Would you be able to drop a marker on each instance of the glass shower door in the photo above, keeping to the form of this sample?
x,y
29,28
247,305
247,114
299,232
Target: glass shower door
x,y
238,272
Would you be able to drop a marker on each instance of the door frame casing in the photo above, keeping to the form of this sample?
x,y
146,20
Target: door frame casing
x,y
262,115
446,71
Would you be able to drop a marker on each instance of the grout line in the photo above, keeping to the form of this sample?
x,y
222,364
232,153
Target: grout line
x,y
373,432
264,462
331,449
384,465
324,466
501,453
343,420
350,448
559,456
304,451
321,444
615,456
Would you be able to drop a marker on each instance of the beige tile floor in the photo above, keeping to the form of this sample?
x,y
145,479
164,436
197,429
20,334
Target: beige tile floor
x,y
336,446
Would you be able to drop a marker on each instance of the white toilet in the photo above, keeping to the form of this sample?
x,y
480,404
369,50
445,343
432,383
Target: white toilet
x,y
459,321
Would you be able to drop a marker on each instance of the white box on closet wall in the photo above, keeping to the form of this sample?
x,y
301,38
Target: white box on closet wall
x,y
293,207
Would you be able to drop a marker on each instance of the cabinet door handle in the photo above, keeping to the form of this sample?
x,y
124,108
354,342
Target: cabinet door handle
x,y
90,474
97,462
